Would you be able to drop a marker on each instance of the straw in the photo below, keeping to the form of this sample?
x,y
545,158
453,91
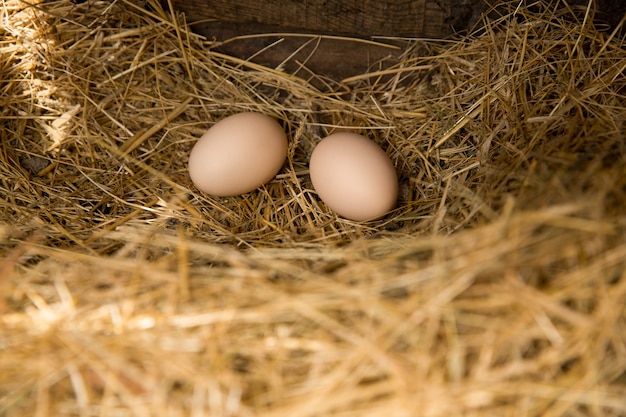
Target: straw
x,y
495,287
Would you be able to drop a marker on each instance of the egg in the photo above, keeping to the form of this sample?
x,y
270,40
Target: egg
x,y
238,154
353,176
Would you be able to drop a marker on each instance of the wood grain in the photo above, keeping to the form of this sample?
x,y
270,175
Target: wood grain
x,y
329,57
407,18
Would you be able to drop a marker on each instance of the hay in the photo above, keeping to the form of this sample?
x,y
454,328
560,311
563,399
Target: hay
x,y
496,288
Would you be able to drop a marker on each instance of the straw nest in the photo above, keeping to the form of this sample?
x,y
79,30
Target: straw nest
x,y
496,288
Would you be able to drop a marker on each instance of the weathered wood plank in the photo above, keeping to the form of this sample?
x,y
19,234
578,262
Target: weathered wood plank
x,y
327,56
228,19
399,18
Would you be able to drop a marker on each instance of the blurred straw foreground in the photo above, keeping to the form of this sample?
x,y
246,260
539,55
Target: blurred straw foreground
x,y
496,288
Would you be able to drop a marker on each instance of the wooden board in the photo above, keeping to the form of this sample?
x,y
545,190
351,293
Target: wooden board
x,y
407,18
304,55
222,20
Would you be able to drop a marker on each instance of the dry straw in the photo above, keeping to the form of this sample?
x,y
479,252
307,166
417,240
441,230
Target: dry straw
x,y
496,288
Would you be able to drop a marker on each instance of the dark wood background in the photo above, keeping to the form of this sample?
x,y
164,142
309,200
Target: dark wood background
x,y
223,20
411,18
366,18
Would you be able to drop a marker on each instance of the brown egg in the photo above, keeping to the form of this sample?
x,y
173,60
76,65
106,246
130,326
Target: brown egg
x,y
238,154
354,176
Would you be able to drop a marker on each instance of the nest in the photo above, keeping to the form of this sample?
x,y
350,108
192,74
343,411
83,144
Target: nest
x,y
496,287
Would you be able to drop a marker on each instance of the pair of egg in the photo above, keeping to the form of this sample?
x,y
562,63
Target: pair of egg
x,y
349,172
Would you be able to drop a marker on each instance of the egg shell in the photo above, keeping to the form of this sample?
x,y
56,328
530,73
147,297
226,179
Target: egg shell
x,y
353,176
238,154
